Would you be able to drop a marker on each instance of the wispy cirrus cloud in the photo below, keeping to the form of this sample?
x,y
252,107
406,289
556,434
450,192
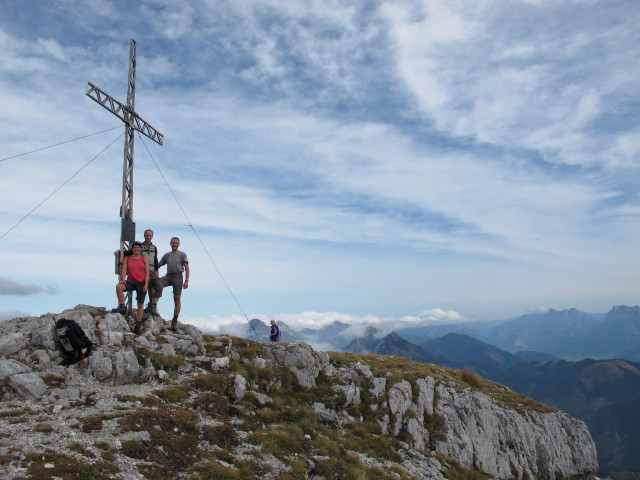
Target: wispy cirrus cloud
x,y
9,287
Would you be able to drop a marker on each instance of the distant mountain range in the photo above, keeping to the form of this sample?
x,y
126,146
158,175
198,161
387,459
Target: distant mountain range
x,y
569,334
394,344
550,332
583,363
472,354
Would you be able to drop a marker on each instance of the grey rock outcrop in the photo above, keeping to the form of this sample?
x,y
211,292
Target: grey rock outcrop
x,y
495,439
118,358
300,359
21,379
460,423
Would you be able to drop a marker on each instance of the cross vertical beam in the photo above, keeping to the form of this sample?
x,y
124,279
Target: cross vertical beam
x,y
126,210
126,113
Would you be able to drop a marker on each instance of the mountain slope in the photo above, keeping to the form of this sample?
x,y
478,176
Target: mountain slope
x,y
472,354
529,356
618,336
424,333
393,344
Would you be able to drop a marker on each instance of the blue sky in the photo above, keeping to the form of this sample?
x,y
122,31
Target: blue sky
x,y
390,162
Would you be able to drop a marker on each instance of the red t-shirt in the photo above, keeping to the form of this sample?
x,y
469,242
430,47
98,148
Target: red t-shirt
x,y
136,269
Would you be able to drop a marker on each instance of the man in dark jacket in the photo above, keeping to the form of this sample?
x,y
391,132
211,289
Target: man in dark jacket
x,y
275,332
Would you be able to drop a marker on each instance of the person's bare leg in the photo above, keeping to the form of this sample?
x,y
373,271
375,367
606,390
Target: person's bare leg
x,y
120,293
176,312
121,308
177,305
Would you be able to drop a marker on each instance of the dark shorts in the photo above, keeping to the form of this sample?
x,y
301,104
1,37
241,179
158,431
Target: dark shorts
x,y
173,279
130,286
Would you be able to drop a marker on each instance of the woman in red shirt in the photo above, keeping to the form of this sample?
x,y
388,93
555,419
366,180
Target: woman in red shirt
x,y
136,267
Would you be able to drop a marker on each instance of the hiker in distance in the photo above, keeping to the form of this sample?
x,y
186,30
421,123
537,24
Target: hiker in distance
x,y
176,262
275,332
150,251
134,275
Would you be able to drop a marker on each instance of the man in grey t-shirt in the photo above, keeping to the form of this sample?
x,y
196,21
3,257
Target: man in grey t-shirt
x,y
176,262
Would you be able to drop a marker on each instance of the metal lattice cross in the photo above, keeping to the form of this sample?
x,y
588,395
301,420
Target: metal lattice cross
x,y
132,122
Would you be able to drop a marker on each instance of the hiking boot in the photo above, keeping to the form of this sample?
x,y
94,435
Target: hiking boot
x,y
138,328
151,308
121,309
174,325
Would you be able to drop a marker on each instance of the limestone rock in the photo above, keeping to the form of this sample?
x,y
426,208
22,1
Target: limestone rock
x,y
23,381
12,343
240,385
261,398
299,358
32,341
11,367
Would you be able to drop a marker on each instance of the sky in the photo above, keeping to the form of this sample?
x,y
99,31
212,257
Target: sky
x,y
384,162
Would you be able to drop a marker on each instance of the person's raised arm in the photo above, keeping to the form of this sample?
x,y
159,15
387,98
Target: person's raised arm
x,y
146,274
123,270
162,262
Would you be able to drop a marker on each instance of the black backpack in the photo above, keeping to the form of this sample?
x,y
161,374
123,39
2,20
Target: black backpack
x,y
73,342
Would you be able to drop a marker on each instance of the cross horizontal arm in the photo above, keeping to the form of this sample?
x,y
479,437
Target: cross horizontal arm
x,y
122,112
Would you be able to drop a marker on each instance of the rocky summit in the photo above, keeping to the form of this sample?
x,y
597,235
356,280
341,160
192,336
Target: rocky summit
x,y
165,405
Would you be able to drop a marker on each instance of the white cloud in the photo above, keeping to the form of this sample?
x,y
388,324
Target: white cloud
x,y
515,80
317,320
54,49
9,314
10,287
538,310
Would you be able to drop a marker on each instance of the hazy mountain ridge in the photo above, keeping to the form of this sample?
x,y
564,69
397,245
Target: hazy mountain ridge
x,y
422,334
472,354
618,335
530,356
546,332
570,334
556,334
330,336
393,344
573,334
165,405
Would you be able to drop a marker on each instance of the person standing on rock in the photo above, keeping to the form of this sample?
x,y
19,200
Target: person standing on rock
x,y
177,263
134,275
150,251
274,336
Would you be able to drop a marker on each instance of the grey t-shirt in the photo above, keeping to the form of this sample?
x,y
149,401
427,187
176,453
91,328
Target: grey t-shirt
x,y
174,261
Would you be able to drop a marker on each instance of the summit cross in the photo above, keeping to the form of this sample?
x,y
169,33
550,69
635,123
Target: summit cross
x,y
132,122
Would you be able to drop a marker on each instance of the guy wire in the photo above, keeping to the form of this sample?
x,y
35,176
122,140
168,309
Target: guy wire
x,y
57,144
57,189
190,225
